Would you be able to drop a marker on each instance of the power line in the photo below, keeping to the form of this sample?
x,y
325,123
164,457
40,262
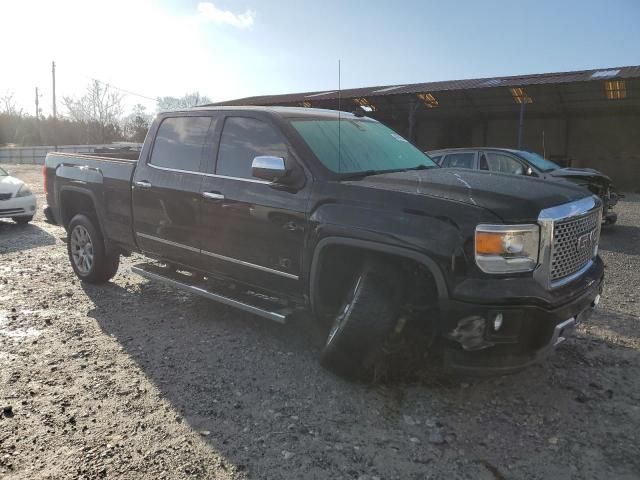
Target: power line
x,y
111,85
128,92
124,90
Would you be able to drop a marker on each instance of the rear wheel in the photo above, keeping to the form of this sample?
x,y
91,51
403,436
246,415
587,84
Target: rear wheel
x,y
22,220
365,319
87,254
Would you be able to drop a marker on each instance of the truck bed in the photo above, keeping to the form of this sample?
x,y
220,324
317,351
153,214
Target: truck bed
x,y
107,180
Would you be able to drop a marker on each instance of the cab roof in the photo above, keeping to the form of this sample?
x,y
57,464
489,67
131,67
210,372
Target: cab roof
x,y
284,112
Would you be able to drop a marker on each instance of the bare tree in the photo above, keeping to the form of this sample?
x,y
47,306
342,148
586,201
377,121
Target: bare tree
x,y
186,101
136,124
8,104
100,105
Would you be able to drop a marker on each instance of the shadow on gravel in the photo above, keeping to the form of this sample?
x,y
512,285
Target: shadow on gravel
x,y
614,328
14,237
631,197
621,239
255,391
229,374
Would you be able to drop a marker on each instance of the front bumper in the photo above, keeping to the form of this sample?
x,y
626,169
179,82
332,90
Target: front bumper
x,y
18,207
527,332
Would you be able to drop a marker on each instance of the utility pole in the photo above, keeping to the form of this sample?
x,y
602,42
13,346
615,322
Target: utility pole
x,y
53,76
37,105
521,127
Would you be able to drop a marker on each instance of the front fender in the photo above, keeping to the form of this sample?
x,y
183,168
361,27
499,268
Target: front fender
x,y
435,236
431,241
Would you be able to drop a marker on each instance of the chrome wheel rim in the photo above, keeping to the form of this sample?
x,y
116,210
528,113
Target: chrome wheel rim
x,y
339,320
81,249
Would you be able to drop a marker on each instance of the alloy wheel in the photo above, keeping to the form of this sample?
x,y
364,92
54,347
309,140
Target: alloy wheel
x,y
82,249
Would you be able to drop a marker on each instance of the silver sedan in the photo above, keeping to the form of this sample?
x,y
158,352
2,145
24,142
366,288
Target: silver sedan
x,y
16,199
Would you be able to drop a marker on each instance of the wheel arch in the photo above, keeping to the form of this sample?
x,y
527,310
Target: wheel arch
x,y
367,246
71,204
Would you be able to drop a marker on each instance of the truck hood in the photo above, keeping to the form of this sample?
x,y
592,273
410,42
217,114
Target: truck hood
x,y
510,197
9,184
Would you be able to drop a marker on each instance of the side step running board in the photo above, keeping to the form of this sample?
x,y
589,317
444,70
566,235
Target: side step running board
x,y
144,270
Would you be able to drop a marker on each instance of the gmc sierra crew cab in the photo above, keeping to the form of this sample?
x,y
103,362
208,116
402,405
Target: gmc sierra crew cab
x,y
276,210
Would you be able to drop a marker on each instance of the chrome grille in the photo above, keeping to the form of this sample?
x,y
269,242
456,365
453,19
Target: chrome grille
x,y
574,241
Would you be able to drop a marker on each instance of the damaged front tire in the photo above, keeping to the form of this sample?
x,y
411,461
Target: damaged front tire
x,y
366,317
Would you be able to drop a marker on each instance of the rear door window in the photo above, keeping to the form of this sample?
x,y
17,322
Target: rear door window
x,y
180,142
242,140
459,160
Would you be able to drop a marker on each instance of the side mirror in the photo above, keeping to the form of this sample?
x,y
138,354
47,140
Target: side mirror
x,y
268,168
529,171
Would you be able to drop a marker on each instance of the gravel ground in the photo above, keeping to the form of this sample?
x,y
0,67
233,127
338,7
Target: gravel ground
x,y
134,380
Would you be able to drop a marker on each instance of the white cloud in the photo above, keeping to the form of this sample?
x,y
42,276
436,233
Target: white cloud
x,y
209,11
191,58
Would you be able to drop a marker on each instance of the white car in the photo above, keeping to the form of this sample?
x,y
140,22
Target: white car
x,y
16,199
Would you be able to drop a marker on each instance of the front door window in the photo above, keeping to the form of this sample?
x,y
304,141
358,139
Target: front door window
x,y
500,162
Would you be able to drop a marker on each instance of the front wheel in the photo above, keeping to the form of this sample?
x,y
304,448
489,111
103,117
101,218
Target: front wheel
x,y
87,253
365,319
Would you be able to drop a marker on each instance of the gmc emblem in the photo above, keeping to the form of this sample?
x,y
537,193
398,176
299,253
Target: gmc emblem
x,y
585,241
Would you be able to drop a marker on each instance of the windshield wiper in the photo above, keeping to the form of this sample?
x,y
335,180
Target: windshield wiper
x,y
420,167
366,173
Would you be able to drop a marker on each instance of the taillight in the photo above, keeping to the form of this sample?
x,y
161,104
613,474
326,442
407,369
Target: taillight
x,y
44,178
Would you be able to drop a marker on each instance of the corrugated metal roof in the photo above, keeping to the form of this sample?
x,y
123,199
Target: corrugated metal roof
x,y
449,85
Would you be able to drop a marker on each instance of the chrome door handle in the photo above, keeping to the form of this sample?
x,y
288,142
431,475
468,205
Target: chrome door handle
x,y
142,184
213,195
291,226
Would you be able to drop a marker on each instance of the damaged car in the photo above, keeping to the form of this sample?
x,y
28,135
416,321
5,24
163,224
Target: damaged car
x,y
522,162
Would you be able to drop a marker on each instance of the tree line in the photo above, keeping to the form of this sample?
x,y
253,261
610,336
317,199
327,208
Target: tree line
x,y
95,117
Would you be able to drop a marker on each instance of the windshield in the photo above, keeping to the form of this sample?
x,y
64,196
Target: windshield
x,y
3,173
365,146
539,161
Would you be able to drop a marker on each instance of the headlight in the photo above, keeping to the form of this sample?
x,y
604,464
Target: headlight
x,y
24,191
507,248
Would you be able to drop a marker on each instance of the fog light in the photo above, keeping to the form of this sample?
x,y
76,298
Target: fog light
x,y
470,333
497,321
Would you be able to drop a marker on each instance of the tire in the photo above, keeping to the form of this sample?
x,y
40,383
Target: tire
x,y
22,220
366,318
87,253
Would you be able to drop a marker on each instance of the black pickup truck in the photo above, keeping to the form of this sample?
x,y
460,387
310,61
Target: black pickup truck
x,y
276,210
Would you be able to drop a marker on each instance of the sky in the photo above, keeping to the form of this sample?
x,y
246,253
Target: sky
x,y
228,49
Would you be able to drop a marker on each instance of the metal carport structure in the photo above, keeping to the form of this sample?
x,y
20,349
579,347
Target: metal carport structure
x,y
588,118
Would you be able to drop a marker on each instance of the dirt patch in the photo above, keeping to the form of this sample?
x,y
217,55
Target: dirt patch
x,y
135,380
